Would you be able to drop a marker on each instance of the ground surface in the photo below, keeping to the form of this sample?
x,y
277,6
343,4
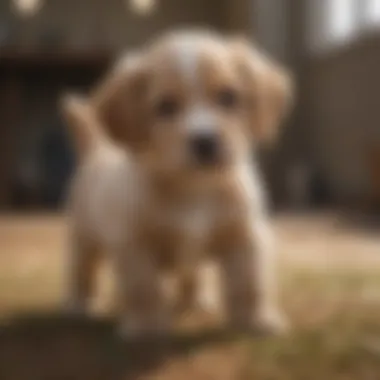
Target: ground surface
x,y
331,291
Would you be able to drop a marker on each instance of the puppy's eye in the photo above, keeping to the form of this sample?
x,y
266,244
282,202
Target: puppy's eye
x,y
228,98
167,107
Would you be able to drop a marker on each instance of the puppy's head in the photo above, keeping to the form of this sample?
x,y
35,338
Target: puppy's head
x,y
194,101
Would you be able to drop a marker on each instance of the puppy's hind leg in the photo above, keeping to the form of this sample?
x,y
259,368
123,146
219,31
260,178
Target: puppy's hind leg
x,y
83,263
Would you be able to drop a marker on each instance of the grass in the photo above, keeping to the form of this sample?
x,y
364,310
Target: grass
x,y
336,335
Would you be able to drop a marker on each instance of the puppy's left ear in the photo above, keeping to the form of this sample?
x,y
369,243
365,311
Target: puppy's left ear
x,y
120,101
269,90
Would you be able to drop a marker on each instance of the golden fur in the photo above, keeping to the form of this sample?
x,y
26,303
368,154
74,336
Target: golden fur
x,y
140,193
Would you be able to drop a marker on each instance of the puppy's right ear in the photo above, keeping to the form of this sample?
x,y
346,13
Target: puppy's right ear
x,y
120,101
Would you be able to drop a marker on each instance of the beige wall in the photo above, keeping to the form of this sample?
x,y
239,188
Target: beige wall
x,y
110,23
266,21
95,24
270,22
344,115
238,16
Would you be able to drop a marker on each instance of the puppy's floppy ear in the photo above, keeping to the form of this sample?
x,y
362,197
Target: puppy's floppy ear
x,y
269,89
120,101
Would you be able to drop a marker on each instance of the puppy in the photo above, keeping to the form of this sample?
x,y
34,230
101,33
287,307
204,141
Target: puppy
x,y
166,178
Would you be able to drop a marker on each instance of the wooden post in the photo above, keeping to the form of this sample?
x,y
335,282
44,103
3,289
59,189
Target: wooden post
x,y
10,115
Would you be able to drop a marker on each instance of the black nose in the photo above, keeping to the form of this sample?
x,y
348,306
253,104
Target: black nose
x,y
205,147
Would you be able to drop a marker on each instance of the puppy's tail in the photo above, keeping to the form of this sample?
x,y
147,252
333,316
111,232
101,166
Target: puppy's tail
x,y
84,127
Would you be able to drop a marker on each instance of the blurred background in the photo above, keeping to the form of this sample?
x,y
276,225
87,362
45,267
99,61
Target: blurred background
x,y
327,161
329,154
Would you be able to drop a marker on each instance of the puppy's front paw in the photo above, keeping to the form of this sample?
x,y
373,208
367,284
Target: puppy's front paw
x,y
271,322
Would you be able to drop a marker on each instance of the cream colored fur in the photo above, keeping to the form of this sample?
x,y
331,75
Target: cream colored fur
x,y
137,195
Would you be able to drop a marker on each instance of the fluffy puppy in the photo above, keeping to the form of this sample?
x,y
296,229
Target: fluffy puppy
x,y
178,186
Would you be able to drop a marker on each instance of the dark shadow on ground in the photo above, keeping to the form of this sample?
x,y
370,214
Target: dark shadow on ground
x,y
365,221
53,347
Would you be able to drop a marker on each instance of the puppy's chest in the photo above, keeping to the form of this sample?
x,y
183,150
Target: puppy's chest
x,y
193,220
179,233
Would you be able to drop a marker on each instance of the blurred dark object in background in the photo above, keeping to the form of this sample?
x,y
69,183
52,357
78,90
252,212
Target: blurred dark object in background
x,y
331,46
374,163
57,162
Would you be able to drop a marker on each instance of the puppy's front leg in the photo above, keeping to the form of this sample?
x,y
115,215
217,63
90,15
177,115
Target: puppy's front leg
x,y
84,260
141,296
248,272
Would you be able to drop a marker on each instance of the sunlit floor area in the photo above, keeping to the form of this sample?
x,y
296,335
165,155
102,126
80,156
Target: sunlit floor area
x,y
330,282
